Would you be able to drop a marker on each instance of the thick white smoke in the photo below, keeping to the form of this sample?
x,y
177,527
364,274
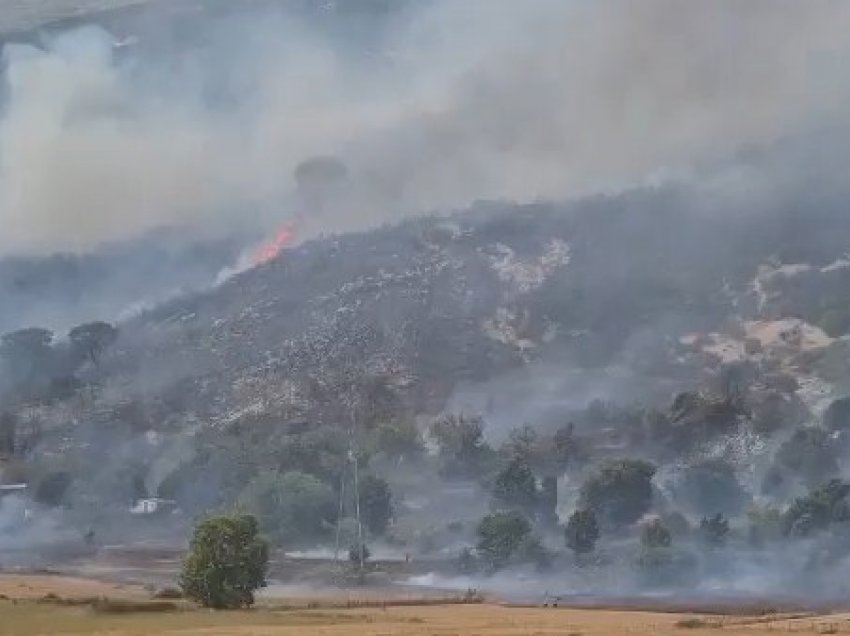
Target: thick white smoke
x,y
460,100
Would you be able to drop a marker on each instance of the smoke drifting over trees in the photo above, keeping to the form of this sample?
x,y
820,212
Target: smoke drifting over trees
x,y
430,105
567,298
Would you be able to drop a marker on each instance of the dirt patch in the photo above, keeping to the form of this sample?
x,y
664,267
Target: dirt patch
x,y
37,586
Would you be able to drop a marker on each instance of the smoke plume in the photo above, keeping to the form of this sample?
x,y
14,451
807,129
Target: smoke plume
x,y
447,102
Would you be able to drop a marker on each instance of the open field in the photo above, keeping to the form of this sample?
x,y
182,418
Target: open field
x,y
26,612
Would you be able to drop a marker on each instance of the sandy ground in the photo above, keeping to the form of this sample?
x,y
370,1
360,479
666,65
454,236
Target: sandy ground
x,y
35,586
21,614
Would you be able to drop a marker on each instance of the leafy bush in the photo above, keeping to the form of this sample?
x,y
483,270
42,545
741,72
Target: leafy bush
x,y
500,535
376,504
292,507
226,564
655,534
398,439
711,486
820,508
581,532
619,492
516,488
713,530
461,442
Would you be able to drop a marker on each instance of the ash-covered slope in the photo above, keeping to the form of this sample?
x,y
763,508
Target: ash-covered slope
x,y
416,309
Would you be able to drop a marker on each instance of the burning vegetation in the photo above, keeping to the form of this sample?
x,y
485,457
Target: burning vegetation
x,y
643,390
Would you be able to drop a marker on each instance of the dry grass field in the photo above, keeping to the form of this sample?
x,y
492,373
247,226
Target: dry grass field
x,y
25,611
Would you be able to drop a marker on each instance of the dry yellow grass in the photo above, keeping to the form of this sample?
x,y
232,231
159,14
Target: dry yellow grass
x,y
25,616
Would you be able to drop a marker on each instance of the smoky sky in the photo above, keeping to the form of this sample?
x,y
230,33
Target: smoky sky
x,y
449,102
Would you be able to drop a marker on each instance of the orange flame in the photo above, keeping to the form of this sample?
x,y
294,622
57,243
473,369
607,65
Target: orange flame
x,y
271,250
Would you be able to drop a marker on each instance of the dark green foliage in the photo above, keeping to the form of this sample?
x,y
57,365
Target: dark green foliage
x,y
819,509
710,486
565,448
619,492
376,504
292,507
516,487
398,439
810,454
582,532
522,446
92,338
500,535
655,534
460,439
52,488
713,530
226,564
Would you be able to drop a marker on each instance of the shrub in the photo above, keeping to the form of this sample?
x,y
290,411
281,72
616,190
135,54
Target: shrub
x,y
500,535
619,492
226,564
710,486
581,532
820,508
292,507
376,504
655,534
713,530
516,488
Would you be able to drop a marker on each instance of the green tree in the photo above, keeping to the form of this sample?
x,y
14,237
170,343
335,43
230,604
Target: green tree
x,y
655,534
460,439
820,508
398,439
376,504
619,492
92,338
292,507
516,487
582,532
710,486
459,436
226,564
714,530
500,535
